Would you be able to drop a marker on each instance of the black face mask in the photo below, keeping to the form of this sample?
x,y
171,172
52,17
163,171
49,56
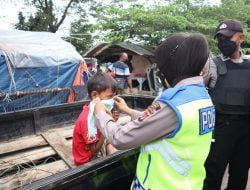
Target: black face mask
x,y
227,47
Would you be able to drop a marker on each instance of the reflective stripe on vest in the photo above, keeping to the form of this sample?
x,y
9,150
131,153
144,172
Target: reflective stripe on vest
x,y
170,157
177,161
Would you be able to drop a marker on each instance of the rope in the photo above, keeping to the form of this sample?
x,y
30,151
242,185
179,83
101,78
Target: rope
x,y
31,77
9,69
21,168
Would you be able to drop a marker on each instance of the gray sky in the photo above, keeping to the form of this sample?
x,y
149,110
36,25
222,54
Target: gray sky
x,y
9,13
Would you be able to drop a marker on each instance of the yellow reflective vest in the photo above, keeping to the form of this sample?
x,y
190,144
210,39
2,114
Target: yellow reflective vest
x,y
177,161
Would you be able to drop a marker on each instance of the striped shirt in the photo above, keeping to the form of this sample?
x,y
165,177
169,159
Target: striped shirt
x,y
119,68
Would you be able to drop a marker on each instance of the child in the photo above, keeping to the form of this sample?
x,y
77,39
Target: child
x,y
87,139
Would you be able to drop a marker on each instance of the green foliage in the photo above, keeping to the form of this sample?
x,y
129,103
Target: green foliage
x,y
81,34
46,16
150,25
142,21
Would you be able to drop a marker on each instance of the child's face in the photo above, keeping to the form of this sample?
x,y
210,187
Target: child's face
x,y
107,94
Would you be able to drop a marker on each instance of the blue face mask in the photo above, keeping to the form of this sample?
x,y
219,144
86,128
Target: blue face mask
x,y
108,103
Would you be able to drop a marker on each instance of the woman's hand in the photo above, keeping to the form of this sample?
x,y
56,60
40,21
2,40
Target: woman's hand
x,y
122,105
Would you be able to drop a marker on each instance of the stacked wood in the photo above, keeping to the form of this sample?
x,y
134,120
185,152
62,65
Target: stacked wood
x,y
35,157
28,176
31,158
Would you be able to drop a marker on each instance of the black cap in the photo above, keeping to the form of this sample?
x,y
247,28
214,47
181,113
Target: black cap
x,y
228,28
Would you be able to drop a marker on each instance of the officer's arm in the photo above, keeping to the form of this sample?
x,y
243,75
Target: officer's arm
x,y
146,128
209,73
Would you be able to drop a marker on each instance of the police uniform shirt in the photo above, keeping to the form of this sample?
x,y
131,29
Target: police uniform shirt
x,y
143,128
210,70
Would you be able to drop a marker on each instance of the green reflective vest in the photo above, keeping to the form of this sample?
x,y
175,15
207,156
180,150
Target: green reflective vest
x,y
177,161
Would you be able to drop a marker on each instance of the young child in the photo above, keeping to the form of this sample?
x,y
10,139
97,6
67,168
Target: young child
x,y
87,139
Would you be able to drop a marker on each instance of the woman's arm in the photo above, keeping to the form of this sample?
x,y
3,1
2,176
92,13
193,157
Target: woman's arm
x,y
209,73
148,127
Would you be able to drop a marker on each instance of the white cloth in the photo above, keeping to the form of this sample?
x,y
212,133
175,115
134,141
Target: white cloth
x,y
92,130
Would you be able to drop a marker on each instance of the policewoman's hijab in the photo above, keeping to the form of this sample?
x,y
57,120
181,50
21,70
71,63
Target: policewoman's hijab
x,y
181,56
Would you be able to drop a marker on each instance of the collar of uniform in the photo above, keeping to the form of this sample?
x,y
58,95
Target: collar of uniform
x,y
240,60
189,81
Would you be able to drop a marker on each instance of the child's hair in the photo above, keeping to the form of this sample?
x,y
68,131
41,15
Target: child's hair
x,y
100,82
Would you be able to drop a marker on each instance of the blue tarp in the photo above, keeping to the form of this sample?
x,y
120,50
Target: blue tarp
x,y
27,79
36,49
35,77
30,79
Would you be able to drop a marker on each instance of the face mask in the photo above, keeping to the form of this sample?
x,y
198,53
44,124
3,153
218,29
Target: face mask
x,y
108,103
227,47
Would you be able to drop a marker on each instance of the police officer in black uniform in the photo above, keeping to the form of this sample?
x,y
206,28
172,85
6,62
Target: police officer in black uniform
x,y
231,96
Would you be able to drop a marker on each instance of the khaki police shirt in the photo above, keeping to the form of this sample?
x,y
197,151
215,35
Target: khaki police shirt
x,y
143,128
210,70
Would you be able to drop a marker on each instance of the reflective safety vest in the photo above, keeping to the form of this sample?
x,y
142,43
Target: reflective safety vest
x,y
177,161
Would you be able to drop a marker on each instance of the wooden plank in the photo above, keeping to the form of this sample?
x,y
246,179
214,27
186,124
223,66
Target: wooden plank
x,y
67,132
61,146
12,161
28,176
70,141
22,143
32,141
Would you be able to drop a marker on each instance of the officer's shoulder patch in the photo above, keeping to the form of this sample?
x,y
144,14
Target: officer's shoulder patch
x,y
207,119
143,116
150,110
156,106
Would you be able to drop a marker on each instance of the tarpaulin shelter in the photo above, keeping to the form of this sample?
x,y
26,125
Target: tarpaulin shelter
x,y
141,61
36,69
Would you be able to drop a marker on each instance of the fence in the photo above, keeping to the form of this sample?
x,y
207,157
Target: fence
x,y
30,99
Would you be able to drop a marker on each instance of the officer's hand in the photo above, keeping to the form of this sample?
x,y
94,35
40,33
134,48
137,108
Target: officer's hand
x,y
122,105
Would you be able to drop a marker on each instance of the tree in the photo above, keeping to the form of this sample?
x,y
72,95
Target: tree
x,y
81,30
21,24
81,35
45,18
149,25
48,17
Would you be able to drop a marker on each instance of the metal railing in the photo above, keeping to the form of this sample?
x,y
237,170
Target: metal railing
x,y
20,100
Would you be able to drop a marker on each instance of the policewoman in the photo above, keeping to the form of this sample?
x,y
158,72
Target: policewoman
x,y
174,133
